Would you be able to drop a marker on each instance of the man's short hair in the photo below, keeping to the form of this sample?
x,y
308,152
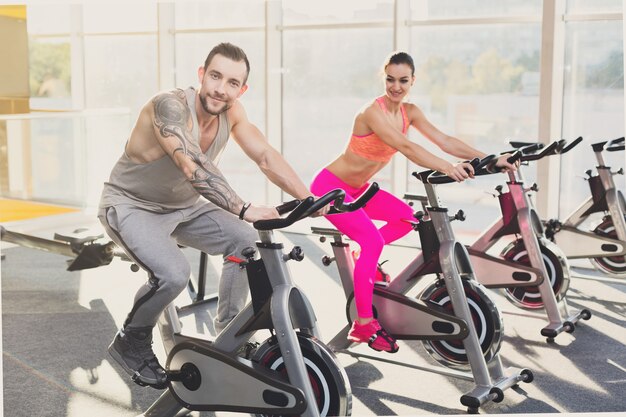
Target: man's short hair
x,y
229,51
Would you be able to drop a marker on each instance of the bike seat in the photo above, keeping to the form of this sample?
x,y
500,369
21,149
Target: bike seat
x,y
79,236
326,231
411,196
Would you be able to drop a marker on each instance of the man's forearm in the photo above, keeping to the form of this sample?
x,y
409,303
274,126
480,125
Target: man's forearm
x,y
280,173
214,187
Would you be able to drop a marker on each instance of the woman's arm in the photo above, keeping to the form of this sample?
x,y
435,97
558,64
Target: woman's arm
x,y
447,143
376,121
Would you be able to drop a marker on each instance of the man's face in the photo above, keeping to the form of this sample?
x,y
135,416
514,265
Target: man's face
x,y
221,84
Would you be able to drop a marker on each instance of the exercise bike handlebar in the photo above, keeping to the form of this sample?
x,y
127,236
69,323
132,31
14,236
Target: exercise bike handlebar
x,y
609,145
431,176
548,150
356,204
568,146
301,209
615,145
532,147
526,147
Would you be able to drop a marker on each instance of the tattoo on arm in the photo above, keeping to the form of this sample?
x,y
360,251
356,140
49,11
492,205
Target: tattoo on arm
x,y
171,118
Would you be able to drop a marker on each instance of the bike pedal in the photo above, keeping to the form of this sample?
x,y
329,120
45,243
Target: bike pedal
x,y
247,349
136,379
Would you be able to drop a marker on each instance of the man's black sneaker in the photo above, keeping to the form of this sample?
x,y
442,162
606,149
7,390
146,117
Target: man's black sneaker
x,y
132,349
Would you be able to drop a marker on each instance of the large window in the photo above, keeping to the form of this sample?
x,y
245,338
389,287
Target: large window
x,y
324,86
198,15
593,102
472,84
120,54
477,65
323,90
120,71
345,12
445,9
50,57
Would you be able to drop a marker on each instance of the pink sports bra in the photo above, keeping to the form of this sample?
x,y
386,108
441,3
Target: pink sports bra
x,y
371,146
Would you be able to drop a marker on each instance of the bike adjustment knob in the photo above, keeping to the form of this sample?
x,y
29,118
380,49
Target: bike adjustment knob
x,y
460,215
499,189
588,172
248,253
297,254
327,260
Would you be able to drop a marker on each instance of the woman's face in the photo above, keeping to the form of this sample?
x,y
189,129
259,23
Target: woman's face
x,y
398,81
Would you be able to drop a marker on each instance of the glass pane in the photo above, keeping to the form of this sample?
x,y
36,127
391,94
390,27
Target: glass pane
x,y
117,16
219,14
593,103
191,51
120,71
438,9
64,157
102,142
48,19
594,6
324,88
55,161
472,85
50,73
331,11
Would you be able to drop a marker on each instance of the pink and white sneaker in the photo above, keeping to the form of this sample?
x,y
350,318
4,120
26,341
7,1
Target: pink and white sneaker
x,y
375,336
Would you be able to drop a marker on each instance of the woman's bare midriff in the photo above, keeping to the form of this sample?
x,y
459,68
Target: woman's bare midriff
x,y
354,170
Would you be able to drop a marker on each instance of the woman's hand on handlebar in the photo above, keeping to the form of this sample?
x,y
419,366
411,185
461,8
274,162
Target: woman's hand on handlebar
x,y
503,163
460,172
254,213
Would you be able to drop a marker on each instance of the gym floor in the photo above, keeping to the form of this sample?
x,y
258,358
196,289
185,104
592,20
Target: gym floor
x,y
56,326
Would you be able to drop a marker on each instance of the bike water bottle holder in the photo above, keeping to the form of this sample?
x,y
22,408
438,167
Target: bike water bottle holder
x,y
510,225
430,247
428,239
259,282
598,195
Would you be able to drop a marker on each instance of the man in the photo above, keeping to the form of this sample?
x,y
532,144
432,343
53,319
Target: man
x,y
166,190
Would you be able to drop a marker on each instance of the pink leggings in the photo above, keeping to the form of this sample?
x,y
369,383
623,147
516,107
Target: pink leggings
x,y
359,227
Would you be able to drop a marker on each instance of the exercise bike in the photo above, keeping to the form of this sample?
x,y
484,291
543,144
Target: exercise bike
x,y
291,372
605,245
531,288
454,316
84,247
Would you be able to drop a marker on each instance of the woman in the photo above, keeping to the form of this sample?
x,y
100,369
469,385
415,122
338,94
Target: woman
x,y
379,131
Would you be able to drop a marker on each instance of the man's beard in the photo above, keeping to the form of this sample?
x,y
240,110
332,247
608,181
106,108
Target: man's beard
x,y
211,112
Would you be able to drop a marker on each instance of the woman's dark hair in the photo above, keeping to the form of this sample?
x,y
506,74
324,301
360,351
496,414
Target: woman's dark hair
x,y
229,51
398,58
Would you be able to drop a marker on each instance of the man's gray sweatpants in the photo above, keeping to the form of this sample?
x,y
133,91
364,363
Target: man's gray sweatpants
x,y
151,240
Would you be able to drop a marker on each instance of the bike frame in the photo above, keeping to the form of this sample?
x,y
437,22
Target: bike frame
x,y
576,243
289,309
404,318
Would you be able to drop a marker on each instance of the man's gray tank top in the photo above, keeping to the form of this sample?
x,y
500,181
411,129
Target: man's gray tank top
x,y
160,185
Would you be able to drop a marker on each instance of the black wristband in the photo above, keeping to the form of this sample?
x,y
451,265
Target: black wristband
x,y
245,207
